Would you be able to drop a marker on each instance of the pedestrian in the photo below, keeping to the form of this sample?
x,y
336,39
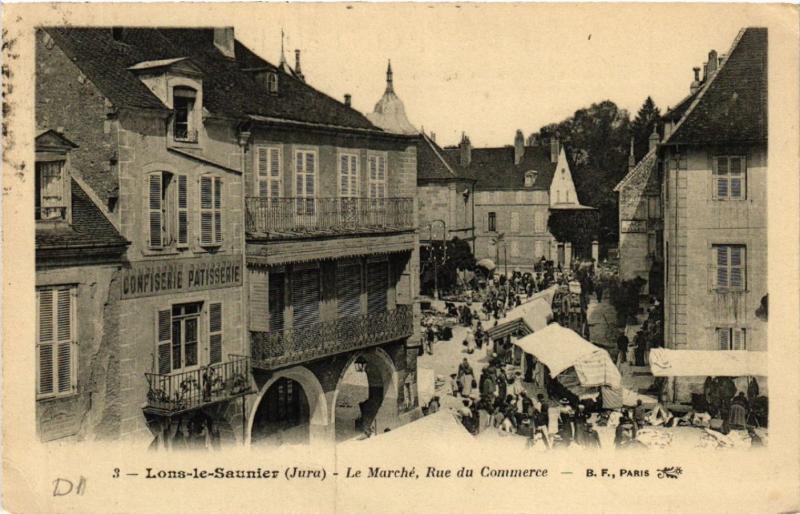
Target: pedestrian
x,y
622,348
433,405
470,341
465,376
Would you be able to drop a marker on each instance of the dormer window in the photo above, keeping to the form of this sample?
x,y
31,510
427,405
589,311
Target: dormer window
x,y
530,178
272,83
50,191
183,106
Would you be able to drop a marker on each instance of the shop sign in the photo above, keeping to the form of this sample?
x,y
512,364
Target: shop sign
x,y
633,226
151,278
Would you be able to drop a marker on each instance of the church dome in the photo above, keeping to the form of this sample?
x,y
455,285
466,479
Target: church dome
x,y
390,113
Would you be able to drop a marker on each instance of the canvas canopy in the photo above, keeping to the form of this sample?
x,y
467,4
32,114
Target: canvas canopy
x,y
487,264
530,316
439,426
560,348
426,385
707,363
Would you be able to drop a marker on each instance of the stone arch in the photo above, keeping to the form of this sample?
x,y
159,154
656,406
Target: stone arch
x,y
314,394
383,380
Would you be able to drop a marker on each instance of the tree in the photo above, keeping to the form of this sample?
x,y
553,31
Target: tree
x,y
597,141
459,257
579,227
642,126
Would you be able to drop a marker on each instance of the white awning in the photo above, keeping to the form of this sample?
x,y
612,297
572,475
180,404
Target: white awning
x,y
560,348
439,426
535,314
707,363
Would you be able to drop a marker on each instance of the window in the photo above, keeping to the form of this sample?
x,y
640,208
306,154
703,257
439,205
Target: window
x,y
652,248
183,107
272,83
210,210
558,196
492,222
539,222
305,181
514,222
567,192
729,178
377,176
731,338
515,248
55,341
730,267
538,249
653,207
530,177
348,175
167,210
50,191
178,337
268,171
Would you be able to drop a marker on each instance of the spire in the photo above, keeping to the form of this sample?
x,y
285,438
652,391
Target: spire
x,y
282,63
631,157
389,80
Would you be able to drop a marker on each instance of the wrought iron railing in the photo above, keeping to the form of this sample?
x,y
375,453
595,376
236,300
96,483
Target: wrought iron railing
x,y
327,215
271,349
187,390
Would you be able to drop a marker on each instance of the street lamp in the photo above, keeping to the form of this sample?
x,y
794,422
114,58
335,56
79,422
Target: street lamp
x,y
432,255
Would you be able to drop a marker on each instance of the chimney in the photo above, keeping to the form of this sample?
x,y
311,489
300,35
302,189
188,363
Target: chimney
x,y
652,142
466,150
554,149
224,41
713,62
519,147
297,70
696,82
631,157
433,136
348,100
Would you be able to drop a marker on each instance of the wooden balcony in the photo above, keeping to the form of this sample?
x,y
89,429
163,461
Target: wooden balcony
x,y
176,393
272,350
292,218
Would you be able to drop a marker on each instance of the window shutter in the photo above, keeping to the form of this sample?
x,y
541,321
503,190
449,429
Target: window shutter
x,y
163,334
258,300
344,176
154,188
348,287
722,266
514,222
46,378
739,340
305,297
215,332
217,209
277,301
183,211
206,211
353,175
723,338
736,268
261,172
736,177
377,286
64,328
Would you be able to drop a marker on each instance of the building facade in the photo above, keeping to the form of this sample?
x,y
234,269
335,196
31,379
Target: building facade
x,y
715,198
222,174
78,252
516,189
641,225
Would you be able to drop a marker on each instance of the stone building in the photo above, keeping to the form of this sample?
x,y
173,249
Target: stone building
x,y
78,251
237,185
714,192
516,189
641,221
332,264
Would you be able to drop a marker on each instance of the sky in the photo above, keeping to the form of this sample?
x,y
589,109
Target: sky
x,y
490,70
